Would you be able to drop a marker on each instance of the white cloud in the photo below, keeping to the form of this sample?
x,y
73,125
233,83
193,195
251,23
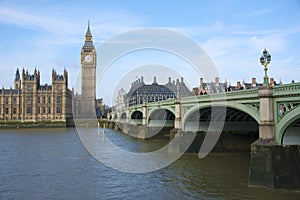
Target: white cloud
x,y
261,12
36,21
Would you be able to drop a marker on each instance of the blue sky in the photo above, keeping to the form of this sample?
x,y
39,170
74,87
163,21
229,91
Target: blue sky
x,y
46,34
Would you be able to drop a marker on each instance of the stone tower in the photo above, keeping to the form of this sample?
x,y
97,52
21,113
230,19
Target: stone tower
x,y
30,85
88,76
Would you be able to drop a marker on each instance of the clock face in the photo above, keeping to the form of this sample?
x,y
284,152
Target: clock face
x,y
88,58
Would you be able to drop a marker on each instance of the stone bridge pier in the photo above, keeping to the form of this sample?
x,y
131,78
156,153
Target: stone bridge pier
x,y
272,165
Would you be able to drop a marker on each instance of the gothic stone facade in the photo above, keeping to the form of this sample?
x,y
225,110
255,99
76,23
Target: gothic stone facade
x,y
31,101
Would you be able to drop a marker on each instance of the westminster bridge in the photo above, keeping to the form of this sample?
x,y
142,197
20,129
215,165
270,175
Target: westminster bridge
x,y
272,112
276,110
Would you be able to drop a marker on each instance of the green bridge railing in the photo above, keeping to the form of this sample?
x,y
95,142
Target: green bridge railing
x,y
286,90
280,90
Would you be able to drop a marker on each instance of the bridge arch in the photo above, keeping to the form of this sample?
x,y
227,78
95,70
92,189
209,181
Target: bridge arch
x,y
239,130
123,117
136,117
286,122
115,117
161,117
243,109
137,114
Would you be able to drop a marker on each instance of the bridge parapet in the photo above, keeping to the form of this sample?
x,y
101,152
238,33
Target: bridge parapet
x,y
287,90
163,102
135,107
241,94
249,93
153,104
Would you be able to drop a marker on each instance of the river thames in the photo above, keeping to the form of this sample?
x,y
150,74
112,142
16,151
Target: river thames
x,y
53,164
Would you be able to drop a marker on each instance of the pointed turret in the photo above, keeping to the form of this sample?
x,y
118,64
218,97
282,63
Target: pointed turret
x,y
88,32
53,74
66,77
88,36
17,81
17,76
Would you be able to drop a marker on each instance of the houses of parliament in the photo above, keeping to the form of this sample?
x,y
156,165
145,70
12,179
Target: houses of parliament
x,y
30,101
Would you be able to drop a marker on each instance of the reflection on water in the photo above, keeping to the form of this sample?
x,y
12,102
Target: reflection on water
x,y
53,164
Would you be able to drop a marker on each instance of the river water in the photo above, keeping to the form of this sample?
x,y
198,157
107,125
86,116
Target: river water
x,y
53,164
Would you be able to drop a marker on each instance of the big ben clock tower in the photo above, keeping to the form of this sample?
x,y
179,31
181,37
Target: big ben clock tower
x,y
88,76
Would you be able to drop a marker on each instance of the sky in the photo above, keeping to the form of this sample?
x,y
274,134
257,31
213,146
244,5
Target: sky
x,y
46,34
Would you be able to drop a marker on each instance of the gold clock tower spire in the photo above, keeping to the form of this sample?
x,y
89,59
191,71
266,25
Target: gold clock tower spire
x,y
88,76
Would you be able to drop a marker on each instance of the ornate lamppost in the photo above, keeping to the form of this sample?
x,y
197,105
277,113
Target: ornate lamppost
x,y
265,59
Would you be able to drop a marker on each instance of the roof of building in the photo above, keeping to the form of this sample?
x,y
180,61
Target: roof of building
x,y
14,91
59,77
183,89
46,87
149,89
170,88
28,77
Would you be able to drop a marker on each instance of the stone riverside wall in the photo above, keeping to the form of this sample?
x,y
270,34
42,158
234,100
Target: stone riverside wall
x,y
40,124
140,131
228,142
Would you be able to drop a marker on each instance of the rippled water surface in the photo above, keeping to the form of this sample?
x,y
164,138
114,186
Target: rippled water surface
x,y
53,164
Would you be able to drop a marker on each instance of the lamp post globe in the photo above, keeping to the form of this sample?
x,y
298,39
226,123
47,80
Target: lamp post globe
x,y
265,59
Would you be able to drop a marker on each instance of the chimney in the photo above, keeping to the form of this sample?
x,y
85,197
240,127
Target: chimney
x,y
271,81
253,82
238,85
201,85
217,81
154,80
169,80
142,79
201,81
173,82
181,79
